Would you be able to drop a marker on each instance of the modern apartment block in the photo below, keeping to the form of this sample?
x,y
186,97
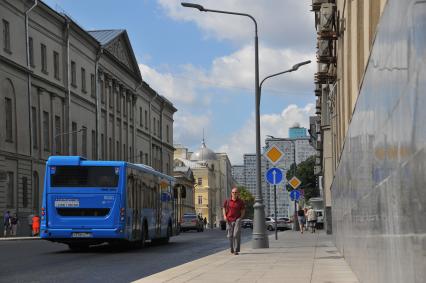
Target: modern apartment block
x,y
68,91
298,149
238,174
370,89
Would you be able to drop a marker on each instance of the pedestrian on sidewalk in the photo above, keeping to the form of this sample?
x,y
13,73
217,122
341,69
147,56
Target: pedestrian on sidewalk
x,y
233,212
14,222
36,225
301,218
30,223
6,223
312,219
205,222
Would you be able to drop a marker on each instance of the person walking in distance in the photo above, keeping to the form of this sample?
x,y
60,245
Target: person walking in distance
x,y
6,223
301,218
36,225
14,222
233,212
312,219
30,223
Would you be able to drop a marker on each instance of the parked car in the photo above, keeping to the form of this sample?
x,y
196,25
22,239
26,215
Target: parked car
x,y
270,224
247,223
191,222
288,222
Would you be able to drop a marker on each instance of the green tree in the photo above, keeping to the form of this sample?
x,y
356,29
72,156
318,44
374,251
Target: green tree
x,y
305,173
248,199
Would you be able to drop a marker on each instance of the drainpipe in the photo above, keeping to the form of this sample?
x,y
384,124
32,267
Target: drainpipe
x,y
27,46
68,91
97,94
150,128
135,155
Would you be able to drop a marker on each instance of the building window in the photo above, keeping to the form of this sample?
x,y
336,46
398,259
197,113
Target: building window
x,y
35,130
154,126
31,50
36,191
141,156
6,36
118,150
124,106
111,149
9,119
74,137
146,119
56,65
102,147
200,181
83,80
103,92
167,133
111,96
159,128
140,117
92,85
43,58
130,154
146,159
46,131
124,152
10,194
24,192
94,154
118,102
200,199
84,141
58,137
73,74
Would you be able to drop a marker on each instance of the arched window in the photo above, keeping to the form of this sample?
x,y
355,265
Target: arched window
x,y
35,192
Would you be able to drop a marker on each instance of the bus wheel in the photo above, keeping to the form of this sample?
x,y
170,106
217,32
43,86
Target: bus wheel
x,y
78,247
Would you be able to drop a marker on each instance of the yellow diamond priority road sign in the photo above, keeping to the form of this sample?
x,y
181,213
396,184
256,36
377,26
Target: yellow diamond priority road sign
x,y
294,182
273,154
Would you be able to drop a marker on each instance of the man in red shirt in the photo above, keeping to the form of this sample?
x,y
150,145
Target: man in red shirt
x,y
233,212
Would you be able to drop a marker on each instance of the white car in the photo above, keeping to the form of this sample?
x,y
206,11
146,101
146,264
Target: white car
x,y
270,223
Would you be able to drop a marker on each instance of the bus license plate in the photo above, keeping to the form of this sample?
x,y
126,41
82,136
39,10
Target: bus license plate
x,y
81,235
67,203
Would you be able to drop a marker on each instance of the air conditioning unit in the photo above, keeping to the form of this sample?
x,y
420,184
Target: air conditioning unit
x,y
324,48
318,107
326,21
316,4
317,90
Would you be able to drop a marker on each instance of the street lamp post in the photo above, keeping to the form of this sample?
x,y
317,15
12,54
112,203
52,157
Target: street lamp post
x,y
294,68
260,239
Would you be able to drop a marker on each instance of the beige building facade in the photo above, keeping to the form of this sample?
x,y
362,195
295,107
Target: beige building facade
x,y
67,91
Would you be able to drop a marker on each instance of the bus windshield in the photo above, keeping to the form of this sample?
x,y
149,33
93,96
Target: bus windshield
x,y
84,176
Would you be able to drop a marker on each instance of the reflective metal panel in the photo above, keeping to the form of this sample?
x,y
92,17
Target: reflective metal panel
x,y
379,191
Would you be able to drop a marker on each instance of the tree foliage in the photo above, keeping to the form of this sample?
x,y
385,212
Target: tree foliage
x,y
305,173
248,199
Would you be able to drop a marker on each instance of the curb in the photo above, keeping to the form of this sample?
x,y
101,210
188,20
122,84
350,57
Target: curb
x,y
19,238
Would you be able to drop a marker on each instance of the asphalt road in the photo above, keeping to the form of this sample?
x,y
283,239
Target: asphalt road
x,y
42,261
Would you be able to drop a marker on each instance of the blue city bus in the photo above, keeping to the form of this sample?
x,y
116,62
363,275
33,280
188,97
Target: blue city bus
x,y
88,202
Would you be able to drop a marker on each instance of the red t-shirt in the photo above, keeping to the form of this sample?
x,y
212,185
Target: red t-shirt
x,y
233,209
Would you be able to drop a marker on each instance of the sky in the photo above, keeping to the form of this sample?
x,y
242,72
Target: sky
x,y
204,63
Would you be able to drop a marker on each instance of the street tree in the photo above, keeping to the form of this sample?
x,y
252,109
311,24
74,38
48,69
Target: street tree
x,y
305,173
248,199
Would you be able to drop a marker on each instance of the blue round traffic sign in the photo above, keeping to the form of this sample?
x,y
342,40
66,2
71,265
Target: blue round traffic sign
x,y
295,195
274,176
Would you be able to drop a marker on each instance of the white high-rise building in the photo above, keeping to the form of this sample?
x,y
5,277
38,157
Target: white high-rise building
x,y
238,174
298,148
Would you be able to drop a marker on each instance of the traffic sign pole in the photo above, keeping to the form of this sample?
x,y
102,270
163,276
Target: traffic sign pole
x,y
275,214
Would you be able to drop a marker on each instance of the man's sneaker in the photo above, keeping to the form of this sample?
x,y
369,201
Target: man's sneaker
x,y
236,253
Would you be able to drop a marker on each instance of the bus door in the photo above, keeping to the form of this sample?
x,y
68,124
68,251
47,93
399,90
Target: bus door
x,y
158,209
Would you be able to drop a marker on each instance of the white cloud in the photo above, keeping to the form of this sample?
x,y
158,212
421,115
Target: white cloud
x,y
280,22
244,140
188,127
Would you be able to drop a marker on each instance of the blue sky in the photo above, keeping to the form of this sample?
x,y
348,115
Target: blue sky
x,y
204,63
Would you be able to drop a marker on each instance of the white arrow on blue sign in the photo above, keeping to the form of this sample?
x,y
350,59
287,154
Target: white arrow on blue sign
x,y
295,195
274,176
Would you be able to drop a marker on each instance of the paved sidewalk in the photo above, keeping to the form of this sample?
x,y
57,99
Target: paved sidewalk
x,y
295,258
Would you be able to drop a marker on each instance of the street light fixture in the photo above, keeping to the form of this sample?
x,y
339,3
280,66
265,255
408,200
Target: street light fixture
x,y
260,239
